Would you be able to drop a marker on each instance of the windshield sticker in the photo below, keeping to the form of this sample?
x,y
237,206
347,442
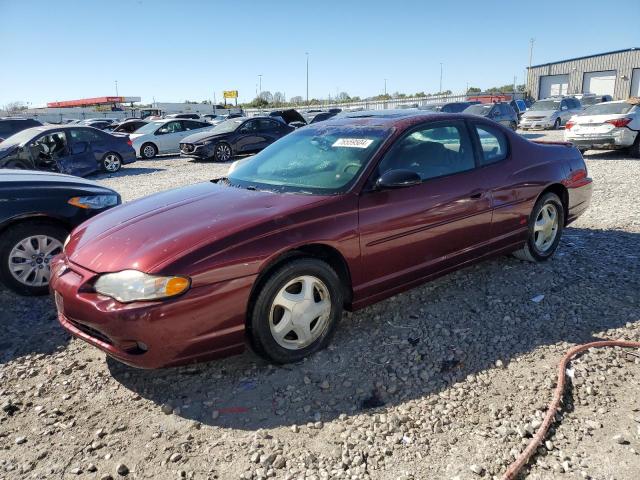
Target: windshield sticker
x,y
352,142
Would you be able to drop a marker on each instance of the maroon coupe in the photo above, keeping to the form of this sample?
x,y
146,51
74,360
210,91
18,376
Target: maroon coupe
x,y
336,215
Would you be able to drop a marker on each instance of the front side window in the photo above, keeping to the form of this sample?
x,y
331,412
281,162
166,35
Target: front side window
x,y
171,127
51,145
432,151
317,159
493,143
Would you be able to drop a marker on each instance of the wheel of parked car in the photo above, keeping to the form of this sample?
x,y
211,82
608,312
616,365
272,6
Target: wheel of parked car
x,y
25,252
17,164
557,123
634,150
111,162
296,310
222,152
545,229
148,150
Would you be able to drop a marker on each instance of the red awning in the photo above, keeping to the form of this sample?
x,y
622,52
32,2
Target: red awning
x,y
86,102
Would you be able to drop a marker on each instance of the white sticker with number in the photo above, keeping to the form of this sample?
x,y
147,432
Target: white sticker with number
x,y
352,142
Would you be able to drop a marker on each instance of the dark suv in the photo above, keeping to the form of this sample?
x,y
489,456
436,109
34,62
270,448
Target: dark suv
x,y
500,112
9,126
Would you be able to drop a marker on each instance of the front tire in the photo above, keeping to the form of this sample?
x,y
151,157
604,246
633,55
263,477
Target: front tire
x,y
222,152
26,251
148,151
557,124
546,224
297,310
111,163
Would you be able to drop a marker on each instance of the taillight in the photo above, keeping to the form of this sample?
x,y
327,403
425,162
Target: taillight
x,y
129,142
620,122
569,124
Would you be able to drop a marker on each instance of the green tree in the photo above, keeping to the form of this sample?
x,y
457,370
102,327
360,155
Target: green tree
x,y
474,90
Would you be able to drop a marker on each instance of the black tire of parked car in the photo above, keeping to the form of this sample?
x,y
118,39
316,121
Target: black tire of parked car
x,y
634,150
530,251
261,337
557,124
222,152
148,151
111,162
14,235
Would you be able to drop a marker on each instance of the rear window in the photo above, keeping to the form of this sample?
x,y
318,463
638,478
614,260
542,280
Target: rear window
x,y
608,108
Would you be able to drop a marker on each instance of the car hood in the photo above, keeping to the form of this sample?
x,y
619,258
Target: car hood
x,y
153,232
539,113
289,116
200,136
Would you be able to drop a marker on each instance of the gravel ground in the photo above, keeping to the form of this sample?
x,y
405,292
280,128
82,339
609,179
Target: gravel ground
x,y
458,380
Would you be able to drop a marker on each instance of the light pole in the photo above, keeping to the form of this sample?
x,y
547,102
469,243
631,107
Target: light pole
x,y
440,78
117,89
531,42
260,79
307,54
385,87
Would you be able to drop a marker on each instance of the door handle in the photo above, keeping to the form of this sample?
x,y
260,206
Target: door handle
x,y
477,194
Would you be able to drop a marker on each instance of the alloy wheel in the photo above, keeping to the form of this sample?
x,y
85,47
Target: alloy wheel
x,y
29,259
112,163
300,312
545,228
223,152
149,151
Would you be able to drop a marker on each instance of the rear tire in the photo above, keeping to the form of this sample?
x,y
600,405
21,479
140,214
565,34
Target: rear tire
x,y
545,231
148,151
111,163
287,325
29,259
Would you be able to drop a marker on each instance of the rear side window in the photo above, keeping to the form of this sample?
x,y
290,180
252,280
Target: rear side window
x,y
84,135
493,143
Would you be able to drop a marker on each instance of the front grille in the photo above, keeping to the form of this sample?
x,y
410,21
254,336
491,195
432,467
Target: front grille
x,y
92,332
533,118
186,148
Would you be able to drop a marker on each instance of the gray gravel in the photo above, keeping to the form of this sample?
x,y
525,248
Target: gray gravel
x,y
448,380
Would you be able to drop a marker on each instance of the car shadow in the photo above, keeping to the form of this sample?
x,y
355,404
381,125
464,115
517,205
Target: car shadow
x,y
126,171
530,136
416,343
607,155
29,326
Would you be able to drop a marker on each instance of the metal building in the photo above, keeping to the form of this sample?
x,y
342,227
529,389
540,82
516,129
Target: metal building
x,y
614,73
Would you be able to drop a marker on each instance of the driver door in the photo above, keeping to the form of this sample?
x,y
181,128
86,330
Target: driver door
x,y
407,234
168,136
249,137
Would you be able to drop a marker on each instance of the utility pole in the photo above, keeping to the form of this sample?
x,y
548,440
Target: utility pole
x,y
307,54
385,87
260,91
440,78
117,89
531,42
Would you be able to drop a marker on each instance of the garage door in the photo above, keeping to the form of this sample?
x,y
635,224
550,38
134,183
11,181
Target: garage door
x,y
552,85
600,83
635,83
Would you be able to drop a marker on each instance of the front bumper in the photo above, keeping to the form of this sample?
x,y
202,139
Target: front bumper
x,y
206,322
612,140
536,124
197,151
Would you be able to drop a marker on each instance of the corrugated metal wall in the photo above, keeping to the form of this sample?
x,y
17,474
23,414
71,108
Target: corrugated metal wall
x,y
622,62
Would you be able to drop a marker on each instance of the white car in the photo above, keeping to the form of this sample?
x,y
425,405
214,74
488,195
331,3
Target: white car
x,y
164,136
550,113
606,126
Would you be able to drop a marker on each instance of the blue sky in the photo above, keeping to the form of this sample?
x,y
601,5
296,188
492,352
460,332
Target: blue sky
x,y
178,50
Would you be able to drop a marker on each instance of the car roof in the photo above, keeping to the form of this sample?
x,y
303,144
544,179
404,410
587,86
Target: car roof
x,y
390,118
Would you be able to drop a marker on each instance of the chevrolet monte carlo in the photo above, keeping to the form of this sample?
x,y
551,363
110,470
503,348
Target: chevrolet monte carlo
x,y
333,216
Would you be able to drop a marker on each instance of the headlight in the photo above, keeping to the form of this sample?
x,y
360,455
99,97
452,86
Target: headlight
x,y
94,202
132,285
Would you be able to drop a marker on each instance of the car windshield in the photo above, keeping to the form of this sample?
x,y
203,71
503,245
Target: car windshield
x,y
150,127
227,126
19,138
478,110
321,160
545,105
608,108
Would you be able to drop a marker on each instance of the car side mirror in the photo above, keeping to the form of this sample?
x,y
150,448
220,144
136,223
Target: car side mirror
x,y
79,147
564,107
398,179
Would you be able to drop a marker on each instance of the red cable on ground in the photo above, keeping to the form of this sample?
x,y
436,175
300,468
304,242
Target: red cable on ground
x,y
537,439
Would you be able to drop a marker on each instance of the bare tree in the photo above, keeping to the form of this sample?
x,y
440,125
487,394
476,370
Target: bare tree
x,y
343,97
297,100
12,107
266,96
278,98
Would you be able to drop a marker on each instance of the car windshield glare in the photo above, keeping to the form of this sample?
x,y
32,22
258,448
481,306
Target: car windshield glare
x,y
321,160
545,105
19,138
227,126
478,110
149,127
608,108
